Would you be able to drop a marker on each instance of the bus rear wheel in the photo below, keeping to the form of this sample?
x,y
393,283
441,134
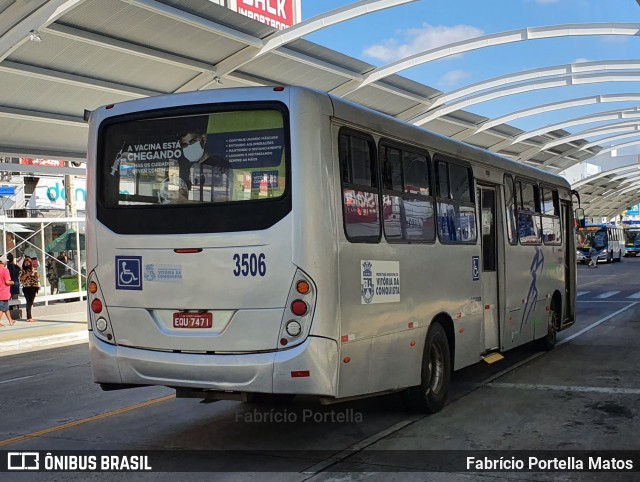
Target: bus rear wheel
x,y
548,342
431,395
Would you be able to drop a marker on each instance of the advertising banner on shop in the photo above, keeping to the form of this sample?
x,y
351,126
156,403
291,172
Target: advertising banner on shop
x,y
49,194
278,14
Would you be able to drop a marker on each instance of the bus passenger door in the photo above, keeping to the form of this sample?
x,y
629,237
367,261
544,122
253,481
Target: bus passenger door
x,y
569,301
488,222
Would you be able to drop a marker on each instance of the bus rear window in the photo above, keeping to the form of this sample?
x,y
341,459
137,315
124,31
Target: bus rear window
x,y
221,157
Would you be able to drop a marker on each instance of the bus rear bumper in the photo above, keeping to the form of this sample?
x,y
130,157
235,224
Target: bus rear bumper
x,y
283,371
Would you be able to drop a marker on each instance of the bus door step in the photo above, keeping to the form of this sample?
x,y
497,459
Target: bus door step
x,y
492,357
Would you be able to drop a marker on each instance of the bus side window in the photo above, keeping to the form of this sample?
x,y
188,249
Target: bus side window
x,y
407,206
551,228
510,208
358,166
456,209
529,223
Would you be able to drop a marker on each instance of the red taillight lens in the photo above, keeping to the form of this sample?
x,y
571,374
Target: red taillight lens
x,y
299,308
96,306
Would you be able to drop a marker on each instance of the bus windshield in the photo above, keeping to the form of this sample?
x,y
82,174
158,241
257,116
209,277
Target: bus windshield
x,y
632,237
586,238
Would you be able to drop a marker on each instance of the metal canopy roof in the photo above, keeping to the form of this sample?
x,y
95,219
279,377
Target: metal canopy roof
x,y
60,57
610,191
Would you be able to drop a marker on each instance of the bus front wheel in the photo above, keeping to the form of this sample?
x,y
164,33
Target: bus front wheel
x,y
431,395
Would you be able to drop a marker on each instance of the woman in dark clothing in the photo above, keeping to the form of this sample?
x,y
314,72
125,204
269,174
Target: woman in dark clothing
x,y
14,270
30,280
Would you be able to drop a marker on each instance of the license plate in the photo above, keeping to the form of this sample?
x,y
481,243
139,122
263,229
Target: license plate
x,y
192,320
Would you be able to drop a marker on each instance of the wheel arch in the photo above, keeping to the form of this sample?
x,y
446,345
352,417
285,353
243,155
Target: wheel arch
x,y
446,322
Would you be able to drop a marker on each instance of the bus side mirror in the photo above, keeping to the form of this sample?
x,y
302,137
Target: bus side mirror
x,y
579,214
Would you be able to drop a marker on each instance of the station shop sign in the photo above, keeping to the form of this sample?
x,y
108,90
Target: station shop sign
x,y
278,14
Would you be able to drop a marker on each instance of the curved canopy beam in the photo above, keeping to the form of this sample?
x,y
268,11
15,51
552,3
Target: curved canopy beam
x,y
32,71
204,72
299,30
619,146
619,200
595,177
32,22
559,81
633,113
604,150
520,35
191,19
626,126
558,70
543,109
39,116
632,132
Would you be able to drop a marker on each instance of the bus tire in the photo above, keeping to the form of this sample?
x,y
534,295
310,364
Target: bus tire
x,y
547,342
431,395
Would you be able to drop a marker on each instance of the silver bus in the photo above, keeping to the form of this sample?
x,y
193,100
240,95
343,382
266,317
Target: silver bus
x,y
284,241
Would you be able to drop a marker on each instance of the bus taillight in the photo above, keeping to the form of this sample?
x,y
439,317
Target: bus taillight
x,y
302,287
299,308
298,312
99,323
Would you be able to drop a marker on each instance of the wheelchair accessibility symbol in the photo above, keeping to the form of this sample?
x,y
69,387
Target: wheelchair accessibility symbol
x,y
128,272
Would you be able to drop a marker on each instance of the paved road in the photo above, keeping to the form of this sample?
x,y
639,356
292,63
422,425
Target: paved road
x,y
581,396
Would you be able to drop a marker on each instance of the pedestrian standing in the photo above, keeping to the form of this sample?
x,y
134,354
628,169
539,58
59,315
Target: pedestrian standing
x,y
62,264
52,274
14,270
593,254
5,290
30,280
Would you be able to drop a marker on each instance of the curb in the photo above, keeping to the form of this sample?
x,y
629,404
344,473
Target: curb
x,y
35,343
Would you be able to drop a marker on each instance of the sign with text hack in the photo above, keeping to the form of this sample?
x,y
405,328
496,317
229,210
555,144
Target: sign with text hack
x,y
278,14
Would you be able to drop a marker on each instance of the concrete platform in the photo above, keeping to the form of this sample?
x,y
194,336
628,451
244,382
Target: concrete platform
x,y
57,324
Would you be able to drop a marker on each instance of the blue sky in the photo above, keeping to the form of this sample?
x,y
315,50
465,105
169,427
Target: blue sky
x,y
388,35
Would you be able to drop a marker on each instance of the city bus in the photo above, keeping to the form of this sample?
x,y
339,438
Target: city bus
x,y
281,241
607,239
631,239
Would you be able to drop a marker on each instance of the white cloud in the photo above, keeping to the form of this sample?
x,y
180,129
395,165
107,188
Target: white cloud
x,y
580,60
420,39
453,78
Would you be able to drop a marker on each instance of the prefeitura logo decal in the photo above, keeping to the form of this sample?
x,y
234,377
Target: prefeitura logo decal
x,y
366,284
